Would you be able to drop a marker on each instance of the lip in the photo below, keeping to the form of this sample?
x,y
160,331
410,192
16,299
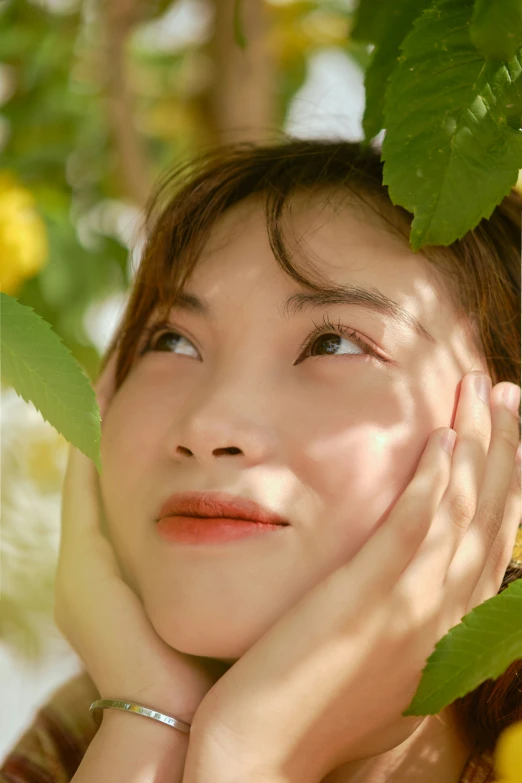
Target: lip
x,y
215,505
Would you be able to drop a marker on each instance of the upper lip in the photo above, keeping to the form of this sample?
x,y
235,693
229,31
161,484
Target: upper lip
x,y
217,504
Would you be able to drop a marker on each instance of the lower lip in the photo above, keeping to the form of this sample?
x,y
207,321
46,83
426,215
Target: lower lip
x,y
195,530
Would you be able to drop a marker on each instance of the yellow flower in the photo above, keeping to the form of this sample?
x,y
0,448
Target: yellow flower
x,y
23,240
508,755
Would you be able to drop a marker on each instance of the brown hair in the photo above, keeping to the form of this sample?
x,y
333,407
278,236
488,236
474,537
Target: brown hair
x,y
480,271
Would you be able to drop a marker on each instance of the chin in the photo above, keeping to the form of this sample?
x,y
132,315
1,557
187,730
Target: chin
x,y
199,637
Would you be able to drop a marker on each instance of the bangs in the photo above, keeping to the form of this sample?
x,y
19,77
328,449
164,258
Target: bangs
x,y
193,196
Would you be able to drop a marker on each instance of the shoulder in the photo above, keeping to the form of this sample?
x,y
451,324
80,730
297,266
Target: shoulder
x,y
52,747
479,769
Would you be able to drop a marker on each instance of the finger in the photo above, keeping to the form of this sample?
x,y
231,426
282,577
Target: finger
x,y
81,508
395,544
105,384
501,554
473,427
80,497
478,541
84,551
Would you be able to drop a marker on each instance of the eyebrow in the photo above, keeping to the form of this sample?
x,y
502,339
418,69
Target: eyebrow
x,y
368,298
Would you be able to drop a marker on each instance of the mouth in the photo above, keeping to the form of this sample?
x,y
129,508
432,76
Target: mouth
x,y
216,505
197,530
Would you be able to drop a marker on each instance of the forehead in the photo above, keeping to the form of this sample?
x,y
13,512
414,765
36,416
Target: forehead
x,y
329,239
334,229
336,245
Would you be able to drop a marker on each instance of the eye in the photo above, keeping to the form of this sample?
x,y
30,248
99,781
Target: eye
x,y
170,339
167,340
327,334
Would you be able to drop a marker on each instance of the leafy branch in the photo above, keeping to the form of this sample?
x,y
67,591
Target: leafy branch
x,y
452,112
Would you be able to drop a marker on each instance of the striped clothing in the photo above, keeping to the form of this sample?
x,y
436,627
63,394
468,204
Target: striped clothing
x,y
51,749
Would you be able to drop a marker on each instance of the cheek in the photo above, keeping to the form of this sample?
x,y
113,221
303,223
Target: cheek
x,y
353,453
360,474
120,449
367,441
130,431
128,445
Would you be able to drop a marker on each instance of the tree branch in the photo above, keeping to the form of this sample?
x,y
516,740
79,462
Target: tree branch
x,y
118,17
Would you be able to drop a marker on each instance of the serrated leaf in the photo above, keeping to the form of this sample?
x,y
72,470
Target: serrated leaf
x,y
496,28
398,24
371,21
42,370
479,648
453,147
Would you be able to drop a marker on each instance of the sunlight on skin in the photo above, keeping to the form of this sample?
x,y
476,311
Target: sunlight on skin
x,y
329,441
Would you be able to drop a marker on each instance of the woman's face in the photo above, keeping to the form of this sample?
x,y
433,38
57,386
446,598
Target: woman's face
x,y
326,435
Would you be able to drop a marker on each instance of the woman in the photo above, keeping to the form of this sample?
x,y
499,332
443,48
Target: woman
x,y
284,345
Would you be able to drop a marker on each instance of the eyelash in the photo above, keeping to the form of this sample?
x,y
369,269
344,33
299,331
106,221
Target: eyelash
x,y
327,327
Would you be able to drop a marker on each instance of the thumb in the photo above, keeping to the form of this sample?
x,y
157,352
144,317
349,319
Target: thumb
x,y
80,495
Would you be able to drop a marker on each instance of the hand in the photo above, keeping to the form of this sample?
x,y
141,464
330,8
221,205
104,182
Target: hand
x,y
102,617
327,684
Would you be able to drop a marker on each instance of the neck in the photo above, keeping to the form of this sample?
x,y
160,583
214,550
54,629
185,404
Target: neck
x,y
434,752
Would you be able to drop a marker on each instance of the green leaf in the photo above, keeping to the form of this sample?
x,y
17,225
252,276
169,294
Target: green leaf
x,y
43,371
371,21
398,24
453,147
496,28
479,648
239,33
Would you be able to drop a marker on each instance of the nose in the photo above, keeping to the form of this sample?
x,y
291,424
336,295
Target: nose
x,y
215,452
224,423
201,440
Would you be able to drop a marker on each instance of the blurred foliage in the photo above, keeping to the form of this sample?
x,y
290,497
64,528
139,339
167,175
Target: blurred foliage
x,y
74,144
57,135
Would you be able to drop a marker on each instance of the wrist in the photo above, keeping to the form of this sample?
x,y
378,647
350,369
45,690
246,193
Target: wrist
x,y
171,705
141,729
209,760
128,748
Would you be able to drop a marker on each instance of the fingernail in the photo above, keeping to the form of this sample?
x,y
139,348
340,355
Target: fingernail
x,y
483,387
448,439
511,397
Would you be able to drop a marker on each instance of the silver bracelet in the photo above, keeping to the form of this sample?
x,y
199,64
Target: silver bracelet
x,y
139,709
